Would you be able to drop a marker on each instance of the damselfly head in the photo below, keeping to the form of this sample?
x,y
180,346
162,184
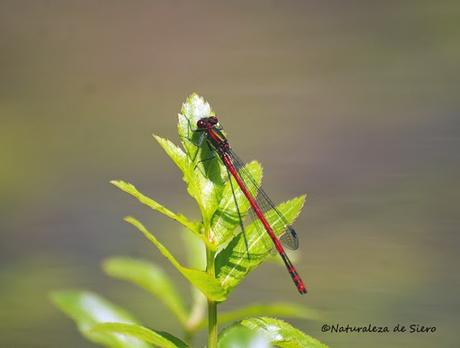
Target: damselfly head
x,y
207,122
201,124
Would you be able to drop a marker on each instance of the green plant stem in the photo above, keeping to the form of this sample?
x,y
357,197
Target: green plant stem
x,y
212,305
212,327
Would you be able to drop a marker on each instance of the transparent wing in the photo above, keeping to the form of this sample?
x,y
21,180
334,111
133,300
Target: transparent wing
x,y
278,222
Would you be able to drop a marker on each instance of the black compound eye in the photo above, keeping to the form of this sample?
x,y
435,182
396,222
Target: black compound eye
x,y
213,120
201,124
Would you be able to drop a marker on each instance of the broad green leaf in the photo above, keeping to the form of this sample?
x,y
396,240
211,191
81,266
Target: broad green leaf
x,y
281,334
204,173
210,286
150,277
157,338
238,336
88,309
198,184
236,261
286,310
131,189
226,219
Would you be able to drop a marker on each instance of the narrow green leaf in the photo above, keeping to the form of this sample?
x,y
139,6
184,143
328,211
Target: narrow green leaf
x,y
286,310
131,189
150,277
210,286
88,309
235,261
157,338
226,220
281,334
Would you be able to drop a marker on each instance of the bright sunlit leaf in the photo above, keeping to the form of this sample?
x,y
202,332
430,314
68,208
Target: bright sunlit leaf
x,y
226,220
88,309
129,331
237,259
281,334
205,174
238,336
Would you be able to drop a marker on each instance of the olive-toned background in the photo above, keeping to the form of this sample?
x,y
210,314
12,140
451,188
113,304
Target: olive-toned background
x,y
354,103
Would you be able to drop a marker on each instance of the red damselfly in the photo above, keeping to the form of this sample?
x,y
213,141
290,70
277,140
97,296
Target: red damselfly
x,y
258,199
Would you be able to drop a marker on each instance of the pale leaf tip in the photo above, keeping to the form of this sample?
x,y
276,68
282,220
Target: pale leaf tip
x,y
129,219
119,183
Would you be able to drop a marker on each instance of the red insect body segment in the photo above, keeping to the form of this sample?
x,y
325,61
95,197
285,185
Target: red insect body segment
x,y
290,267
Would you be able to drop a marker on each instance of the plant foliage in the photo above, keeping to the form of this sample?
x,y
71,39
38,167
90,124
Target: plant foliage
x,y
220,257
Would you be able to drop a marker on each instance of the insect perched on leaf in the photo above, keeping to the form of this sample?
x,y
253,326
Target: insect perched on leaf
x,y
263,211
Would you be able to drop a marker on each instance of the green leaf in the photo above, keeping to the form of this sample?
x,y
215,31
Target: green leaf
x,y
131,189
88,309
236,261
286,310
194,108
157,338
199,186
150,277
281,334
238,336
226,218
174,152
208,285
204,173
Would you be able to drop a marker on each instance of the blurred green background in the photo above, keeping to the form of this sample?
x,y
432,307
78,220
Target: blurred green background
x,y
354,103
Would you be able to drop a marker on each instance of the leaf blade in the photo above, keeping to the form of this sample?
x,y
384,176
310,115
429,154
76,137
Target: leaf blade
x,y
239,336
151,278
157,338
281,333
234,263
203,281
204,173
233,206
131,190
88,309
